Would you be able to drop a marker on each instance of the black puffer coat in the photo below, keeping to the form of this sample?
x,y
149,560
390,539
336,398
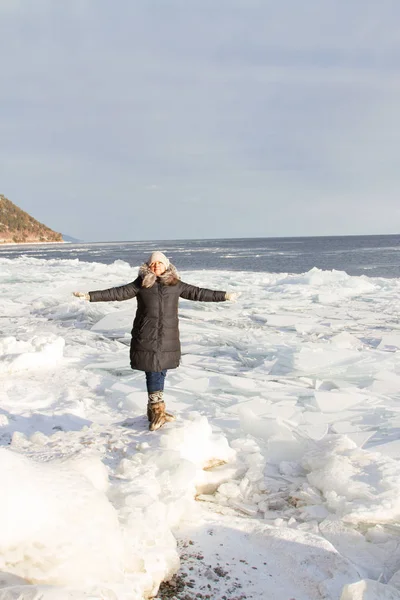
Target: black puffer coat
x,y
155,344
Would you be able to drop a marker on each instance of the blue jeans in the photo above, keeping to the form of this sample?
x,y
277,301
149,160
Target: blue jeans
x,y
155,381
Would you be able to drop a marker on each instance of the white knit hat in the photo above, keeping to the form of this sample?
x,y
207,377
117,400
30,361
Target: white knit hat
x,y
158,257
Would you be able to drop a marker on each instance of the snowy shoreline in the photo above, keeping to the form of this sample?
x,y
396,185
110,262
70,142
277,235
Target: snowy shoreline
x,y
31,243
279,479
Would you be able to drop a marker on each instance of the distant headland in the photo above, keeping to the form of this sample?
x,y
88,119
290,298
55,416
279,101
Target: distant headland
x,y
18,227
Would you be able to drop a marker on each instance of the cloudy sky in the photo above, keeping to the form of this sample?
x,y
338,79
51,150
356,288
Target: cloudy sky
x,y
164,119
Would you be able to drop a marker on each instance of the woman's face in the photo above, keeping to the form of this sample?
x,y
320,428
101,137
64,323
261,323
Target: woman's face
x,y
158,268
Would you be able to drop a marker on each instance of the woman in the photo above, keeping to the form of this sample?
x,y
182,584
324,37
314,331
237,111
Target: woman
x,y
155,345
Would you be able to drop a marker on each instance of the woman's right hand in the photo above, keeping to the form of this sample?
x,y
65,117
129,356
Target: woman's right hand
x,y
84,295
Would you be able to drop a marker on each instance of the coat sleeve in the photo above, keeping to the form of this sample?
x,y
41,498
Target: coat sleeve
x,y
192,292
123,292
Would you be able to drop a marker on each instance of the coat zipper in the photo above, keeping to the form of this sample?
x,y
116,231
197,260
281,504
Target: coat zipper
x,y
160,324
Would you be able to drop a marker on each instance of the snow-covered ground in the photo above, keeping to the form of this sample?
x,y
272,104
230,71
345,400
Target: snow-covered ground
x,y
280,478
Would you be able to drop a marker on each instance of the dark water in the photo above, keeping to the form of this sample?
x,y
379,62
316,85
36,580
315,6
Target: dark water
x,y
375,256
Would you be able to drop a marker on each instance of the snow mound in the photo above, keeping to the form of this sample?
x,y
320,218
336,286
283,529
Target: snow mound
x,y
65,529
196,442
369,590
359,486
56,527
39,352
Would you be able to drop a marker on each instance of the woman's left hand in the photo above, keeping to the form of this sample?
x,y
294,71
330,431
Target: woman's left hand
x,y
232,296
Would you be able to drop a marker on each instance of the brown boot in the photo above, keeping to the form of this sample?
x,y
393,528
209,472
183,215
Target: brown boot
x,y
158,416
156,411
153,397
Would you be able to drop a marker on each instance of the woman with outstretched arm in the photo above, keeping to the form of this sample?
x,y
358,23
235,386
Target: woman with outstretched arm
x,y
155,345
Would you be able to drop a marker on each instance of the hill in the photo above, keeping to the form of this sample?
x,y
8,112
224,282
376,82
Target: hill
x,y
17,226
68,238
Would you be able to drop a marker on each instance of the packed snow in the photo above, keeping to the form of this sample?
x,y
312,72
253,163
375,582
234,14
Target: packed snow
x,y
280,478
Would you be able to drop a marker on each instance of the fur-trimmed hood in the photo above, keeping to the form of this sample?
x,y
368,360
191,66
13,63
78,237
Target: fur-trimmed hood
x,y
169,277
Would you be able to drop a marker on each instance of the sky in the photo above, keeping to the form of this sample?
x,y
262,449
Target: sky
x,y
168,119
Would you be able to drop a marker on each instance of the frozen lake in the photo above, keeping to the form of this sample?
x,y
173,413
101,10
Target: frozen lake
x,y
280,477
375,256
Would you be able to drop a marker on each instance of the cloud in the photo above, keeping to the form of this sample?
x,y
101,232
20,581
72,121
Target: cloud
x,y
274,109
